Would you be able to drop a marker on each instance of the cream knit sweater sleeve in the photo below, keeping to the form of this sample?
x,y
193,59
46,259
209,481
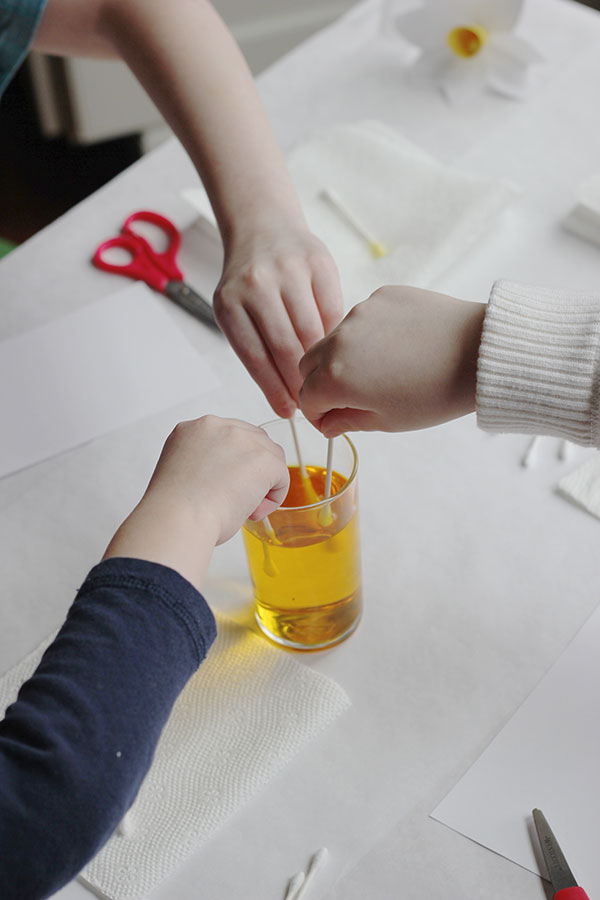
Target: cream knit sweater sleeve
x,y
539,363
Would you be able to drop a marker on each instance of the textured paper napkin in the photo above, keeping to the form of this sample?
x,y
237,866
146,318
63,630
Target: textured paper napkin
x,y
244,714
427,214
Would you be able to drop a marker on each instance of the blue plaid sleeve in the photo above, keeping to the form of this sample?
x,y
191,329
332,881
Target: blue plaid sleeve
x,y
18,21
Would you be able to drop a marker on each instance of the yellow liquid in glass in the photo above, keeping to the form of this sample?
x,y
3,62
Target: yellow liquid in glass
x,y
306,573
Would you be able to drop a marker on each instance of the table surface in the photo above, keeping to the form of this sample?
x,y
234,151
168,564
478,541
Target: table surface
x,y
477,575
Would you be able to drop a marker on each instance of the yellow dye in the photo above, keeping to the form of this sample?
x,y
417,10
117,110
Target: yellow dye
x,y
306,573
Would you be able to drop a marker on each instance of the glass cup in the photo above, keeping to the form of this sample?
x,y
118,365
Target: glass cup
x,y
304,559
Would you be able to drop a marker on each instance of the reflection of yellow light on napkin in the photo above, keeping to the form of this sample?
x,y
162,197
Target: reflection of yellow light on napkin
x,y
467,41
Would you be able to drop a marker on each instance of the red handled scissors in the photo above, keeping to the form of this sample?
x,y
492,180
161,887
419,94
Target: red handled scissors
x,y
563,881
159,270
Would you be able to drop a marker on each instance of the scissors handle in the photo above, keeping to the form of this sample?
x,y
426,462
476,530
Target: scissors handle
x,y
571,893
139,267
166,261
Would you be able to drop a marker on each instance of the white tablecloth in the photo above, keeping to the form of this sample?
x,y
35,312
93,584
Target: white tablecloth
x,y
477,574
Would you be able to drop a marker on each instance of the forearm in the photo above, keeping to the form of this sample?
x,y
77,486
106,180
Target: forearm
x,y
538,369
189,64
76,745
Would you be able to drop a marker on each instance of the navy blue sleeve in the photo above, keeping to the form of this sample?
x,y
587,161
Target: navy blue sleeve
x,y
77,742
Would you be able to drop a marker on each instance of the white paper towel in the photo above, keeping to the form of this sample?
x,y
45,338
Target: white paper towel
x,y
427,214
245,713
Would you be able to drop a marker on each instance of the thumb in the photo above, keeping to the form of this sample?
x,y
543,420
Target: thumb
x,y
337,421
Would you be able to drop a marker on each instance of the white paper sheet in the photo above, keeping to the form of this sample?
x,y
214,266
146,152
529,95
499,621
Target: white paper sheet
x,y
108,365
547,756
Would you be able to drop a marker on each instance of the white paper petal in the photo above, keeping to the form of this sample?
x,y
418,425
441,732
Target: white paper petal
x,y
513,83
429,68
464,80
427,27
392,12
509,70
516,48
494,15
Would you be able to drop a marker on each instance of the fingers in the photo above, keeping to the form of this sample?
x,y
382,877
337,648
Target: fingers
x,y
339,421
279,294
252,350
327,292
273,323
304,315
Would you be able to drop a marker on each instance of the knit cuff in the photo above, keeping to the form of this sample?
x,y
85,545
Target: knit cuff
x,y
538,368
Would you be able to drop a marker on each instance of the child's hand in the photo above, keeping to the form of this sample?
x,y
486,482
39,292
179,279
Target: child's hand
x,y
403,359
212,475
279,293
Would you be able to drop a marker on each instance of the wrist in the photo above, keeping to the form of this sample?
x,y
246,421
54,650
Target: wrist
x,y
261,214
470,340
171,534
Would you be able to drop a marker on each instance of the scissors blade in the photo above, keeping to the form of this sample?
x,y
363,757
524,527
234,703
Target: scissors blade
x,y
186,297
558,869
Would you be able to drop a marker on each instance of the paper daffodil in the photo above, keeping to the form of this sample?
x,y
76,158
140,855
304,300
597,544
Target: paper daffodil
x,y
466,45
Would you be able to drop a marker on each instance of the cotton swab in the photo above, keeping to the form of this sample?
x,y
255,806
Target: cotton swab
x,y
377,248
303,472
294,885
527,457
329,467
316,863
311,494
269,566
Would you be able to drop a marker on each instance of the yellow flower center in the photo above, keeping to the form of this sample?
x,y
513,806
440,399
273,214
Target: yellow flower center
x,y
468,40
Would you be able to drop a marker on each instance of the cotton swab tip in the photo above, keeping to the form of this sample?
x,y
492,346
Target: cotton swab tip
x,y
378,250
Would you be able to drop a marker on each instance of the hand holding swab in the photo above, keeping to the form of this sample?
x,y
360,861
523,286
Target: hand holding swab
x,y
377,248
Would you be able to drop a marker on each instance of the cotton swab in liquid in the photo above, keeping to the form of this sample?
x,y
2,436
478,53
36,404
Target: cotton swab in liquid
x,y
311,494
329,467
268,565
301,466
376,247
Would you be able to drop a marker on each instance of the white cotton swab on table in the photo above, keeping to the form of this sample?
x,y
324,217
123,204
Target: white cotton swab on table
x,y
529,454
334,200
294,885
316,863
